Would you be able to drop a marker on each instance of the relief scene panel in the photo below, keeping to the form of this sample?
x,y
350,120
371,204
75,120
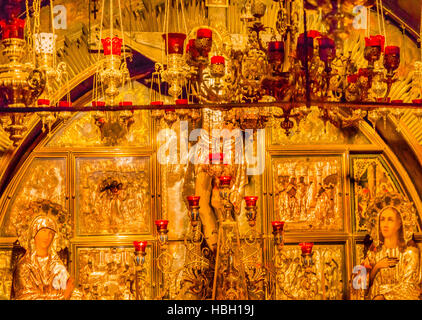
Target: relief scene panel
x,y
308,192
113,195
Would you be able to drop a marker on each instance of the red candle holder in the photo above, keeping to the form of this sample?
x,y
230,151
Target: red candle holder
x,y
161,225
275,51
391,59
193,209
65,104
375,41
278,226
203,42
374,46
217,67
193,201
251,201
12,30
417,101
193,54
112,46
98,103
174,42
204,33
300,48
306,247
327,49
251,209
396,101
140,246
225,181
43,102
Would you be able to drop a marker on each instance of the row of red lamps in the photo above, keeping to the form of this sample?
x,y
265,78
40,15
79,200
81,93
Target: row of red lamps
x,y
278,226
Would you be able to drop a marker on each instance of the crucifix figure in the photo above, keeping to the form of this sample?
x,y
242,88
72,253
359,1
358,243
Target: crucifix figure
x,y
95,10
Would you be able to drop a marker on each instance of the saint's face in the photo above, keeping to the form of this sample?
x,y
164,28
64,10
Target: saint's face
x,y
44,238
389,223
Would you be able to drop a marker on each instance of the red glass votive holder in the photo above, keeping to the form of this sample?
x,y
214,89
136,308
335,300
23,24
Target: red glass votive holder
x,y
98,103
327,49
275,51
65,104
391,58
112,46
375,41
396,101
193,201
417,101
140,245
278,226
251,201
217,60
300,48
306,247
225,181
161,225
43,102
174,42
12,30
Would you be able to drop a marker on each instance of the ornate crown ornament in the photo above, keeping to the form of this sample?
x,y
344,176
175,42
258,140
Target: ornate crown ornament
x,y
393,200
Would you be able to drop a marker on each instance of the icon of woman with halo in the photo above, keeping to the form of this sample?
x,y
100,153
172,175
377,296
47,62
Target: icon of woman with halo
x,y
392,261
40,274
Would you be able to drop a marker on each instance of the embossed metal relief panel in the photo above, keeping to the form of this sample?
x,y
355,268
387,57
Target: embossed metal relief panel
x,y
5,274
108,273
42,187
370,179
83,131
325,280
314,131
308,192
113,195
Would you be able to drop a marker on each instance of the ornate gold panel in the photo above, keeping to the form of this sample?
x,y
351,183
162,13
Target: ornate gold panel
x,y
107,273
324,281
42,185
5,274
371,178
308,192
313,131
113,195
82,132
